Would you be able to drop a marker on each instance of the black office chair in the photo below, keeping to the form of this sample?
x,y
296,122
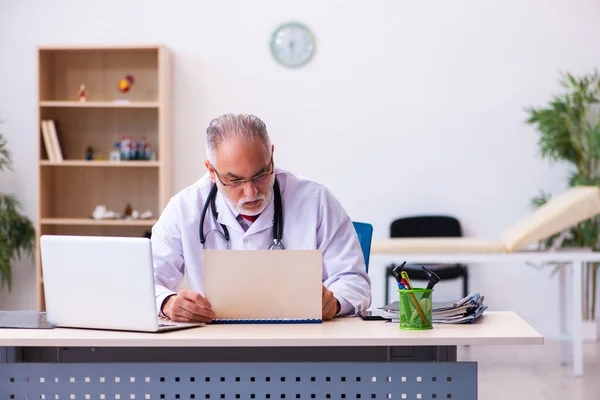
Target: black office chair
x,y
428,226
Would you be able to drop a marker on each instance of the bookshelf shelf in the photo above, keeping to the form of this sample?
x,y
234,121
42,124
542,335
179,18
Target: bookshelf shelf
x,y
100,163
71,186
99,104
98,222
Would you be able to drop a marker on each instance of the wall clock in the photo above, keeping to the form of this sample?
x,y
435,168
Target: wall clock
x,y
292,44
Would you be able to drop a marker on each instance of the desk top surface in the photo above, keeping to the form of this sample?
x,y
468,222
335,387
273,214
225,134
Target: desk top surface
x,y
469,250
491,328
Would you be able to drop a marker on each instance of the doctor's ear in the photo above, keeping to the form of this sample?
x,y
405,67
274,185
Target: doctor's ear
x,y
210,169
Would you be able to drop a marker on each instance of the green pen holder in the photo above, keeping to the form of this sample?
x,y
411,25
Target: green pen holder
x,y
415,308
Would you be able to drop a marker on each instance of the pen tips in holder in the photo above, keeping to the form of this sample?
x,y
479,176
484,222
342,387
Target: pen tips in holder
x,y
396,272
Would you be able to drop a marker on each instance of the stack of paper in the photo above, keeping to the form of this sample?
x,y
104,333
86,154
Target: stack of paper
x,y
465,310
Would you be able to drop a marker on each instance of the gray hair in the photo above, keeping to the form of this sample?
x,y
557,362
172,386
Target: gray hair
x,y
241,127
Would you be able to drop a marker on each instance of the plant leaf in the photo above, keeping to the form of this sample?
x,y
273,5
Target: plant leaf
x,y
17,233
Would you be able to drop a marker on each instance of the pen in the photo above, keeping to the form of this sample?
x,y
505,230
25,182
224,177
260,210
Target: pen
x,y
418,307
412,297
405,276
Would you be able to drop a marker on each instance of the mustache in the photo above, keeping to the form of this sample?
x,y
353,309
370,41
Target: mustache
x,y
245,200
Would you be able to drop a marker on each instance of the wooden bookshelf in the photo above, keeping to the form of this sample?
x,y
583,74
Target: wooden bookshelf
x,y
99,104
98,222
71,186
101,163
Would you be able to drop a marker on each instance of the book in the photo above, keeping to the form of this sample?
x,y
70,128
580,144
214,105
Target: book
x,y
575,205
54,139
48,144
51,142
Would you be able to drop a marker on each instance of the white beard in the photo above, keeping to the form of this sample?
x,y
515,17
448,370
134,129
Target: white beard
x,y
239,206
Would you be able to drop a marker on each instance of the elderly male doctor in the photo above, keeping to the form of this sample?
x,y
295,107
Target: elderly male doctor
x,y
241,165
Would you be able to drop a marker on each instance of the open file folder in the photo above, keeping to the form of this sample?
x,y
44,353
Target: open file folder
x,y
264,286
575,205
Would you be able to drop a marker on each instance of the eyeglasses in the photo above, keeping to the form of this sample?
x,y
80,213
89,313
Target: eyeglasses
x,y
256,178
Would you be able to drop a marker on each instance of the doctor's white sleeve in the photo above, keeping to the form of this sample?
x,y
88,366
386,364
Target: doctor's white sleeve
x,y
344,269
167,253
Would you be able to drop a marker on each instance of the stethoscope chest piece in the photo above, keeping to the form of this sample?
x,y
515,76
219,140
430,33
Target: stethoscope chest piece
x,y
277,245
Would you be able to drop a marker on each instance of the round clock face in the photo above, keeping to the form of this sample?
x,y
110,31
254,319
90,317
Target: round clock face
x,y
292,44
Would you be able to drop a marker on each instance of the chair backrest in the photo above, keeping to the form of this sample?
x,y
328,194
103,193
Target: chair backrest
x,y
426,226
365,235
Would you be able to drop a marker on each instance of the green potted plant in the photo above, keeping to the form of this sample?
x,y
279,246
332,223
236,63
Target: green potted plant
x,y
569,132
17,234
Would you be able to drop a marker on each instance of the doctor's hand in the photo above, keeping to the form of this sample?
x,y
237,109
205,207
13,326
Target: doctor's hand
x,y
188,306
330,304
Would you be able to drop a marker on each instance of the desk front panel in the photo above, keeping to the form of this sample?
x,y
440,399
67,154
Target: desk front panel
x,y
126,381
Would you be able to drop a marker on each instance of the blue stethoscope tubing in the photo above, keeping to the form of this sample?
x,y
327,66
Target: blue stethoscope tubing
x,y
277,218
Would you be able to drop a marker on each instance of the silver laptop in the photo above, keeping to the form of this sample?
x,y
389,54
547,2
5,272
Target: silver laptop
x,y
282,286
101,282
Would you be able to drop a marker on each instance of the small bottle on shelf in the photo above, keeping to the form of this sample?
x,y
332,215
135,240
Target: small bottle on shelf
x,y
128,211
134,151
115,154
125,147
148,151
141,149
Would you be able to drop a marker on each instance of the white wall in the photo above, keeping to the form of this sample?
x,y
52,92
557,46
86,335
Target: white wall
x,y
406,108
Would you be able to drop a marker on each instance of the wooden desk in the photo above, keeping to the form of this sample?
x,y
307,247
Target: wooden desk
x,y
340,359
466,251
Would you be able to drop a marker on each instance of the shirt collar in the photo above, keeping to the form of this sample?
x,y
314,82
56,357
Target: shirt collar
x,y
227,215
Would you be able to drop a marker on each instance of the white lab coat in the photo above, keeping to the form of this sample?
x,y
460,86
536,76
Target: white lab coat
x,y
312,219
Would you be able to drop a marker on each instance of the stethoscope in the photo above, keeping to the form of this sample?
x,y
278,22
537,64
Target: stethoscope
x,y
277,218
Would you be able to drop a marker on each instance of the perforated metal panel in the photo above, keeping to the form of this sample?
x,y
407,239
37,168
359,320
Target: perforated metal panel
x,y
143,381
